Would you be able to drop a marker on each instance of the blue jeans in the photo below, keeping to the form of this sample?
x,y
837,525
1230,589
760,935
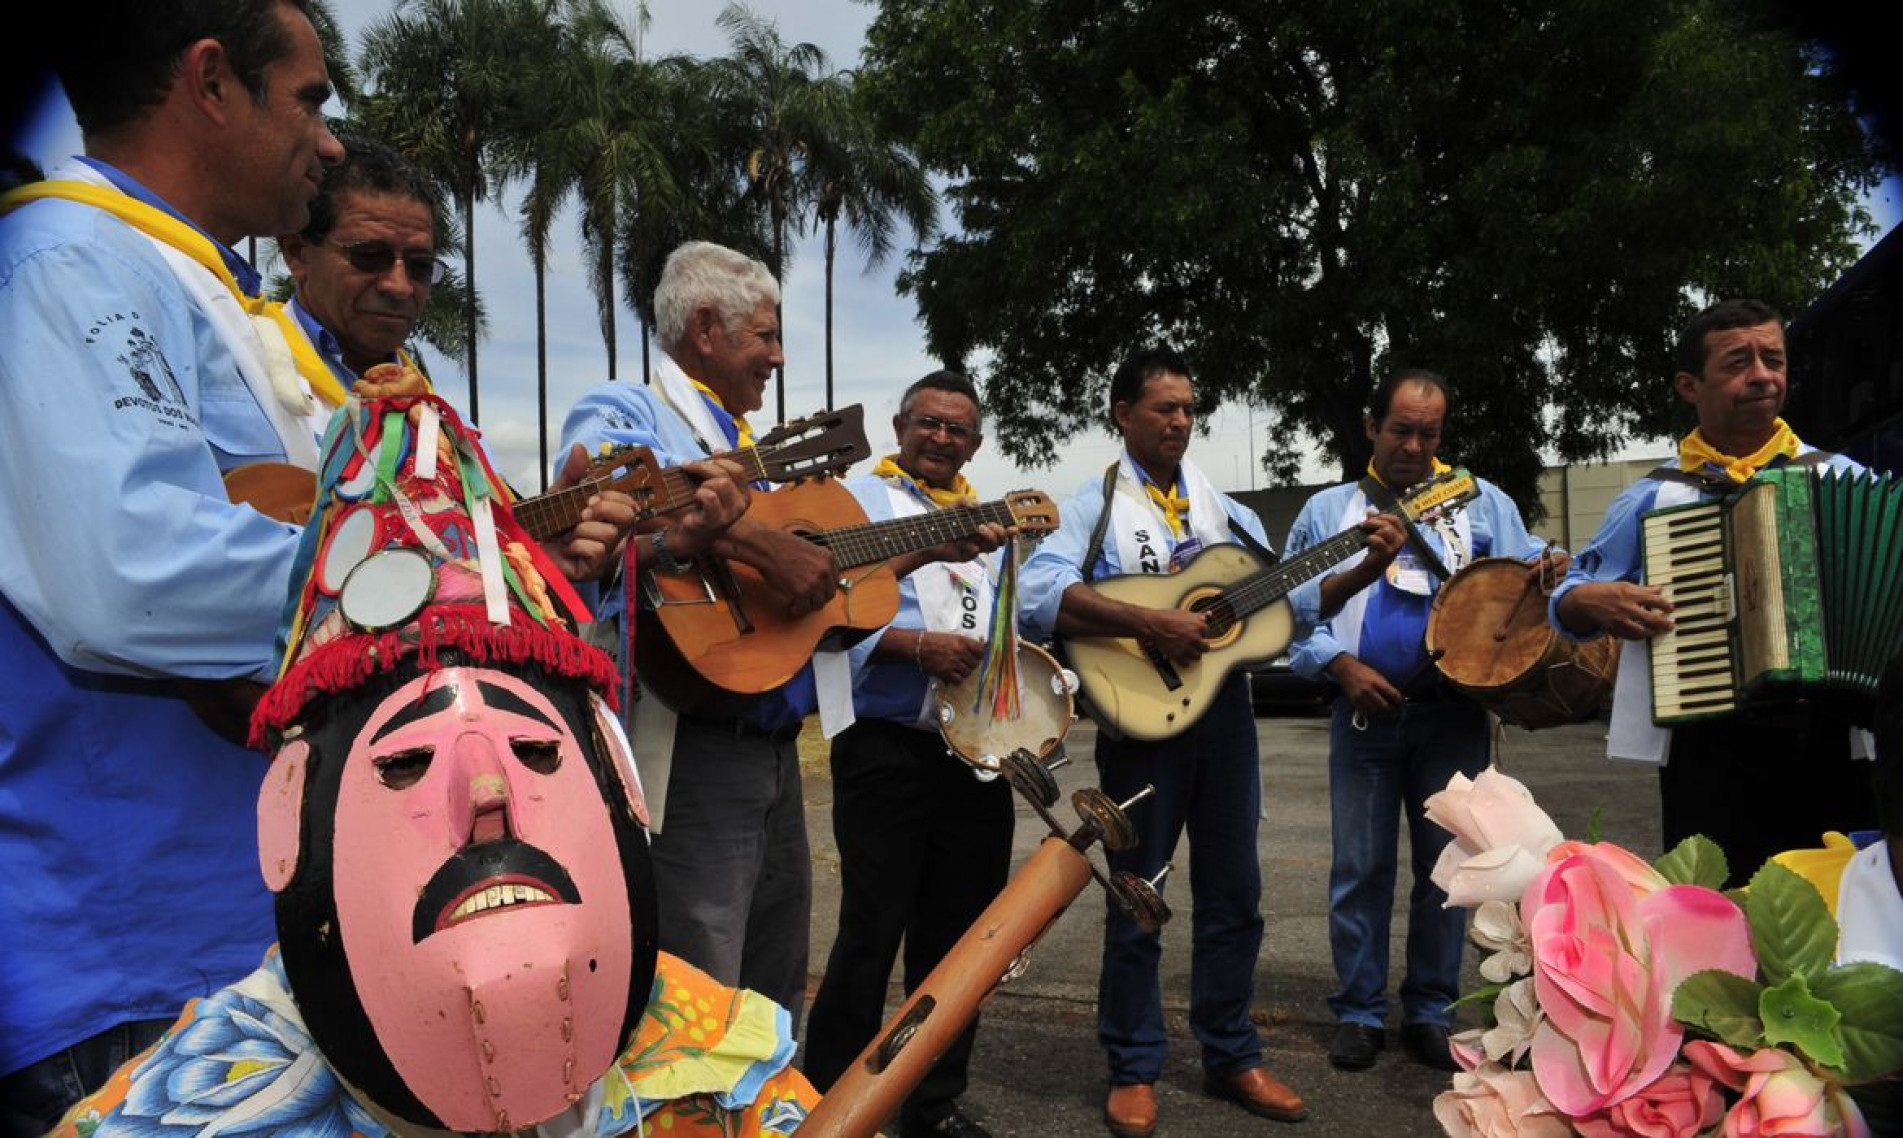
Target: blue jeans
x,y
1209,780
1374,776
33,1098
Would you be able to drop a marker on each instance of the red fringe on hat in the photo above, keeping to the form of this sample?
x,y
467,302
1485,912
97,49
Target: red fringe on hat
x,y
348,661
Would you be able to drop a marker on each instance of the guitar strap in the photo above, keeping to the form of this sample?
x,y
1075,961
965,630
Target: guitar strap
x,y
1384,500
1670,472
1095,550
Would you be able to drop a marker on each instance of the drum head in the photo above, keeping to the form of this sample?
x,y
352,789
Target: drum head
x,y
350,541
1045,712
386,589
1488,625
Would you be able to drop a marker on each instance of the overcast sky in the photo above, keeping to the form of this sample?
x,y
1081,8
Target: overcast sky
x,y
878,344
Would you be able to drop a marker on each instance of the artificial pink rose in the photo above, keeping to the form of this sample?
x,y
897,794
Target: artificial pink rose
x,y
1608,950
1780,1096
1681,1103
1493,1102
1500,838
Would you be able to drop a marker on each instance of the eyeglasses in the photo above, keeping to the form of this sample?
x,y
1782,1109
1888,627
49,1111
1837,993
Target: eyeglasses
x,y
931,425
376,257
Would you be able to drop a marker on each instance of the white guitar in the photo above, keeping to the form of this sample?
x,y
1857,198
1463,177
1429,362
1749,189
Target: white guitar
x,y
1135,691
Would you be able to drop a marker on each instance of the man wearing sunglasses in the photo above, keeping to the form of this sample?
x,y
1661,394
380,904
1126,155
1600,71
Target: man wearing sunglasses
x,y
365,262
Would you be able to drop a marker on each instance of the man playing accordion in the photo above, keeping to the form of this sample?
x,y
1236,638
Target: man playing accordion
x,y
1773,775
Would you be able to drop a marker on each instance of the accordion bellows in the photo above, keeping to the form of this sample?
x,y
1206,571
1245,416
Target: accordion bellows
x,y
1790,587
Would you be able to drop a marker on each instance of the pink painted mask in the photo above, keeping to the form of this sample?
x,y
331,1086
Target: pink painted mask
x,y
469,931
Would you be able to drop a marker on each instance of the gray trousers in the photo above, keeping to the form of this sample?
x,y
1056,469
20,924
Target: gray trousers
x,y
731,867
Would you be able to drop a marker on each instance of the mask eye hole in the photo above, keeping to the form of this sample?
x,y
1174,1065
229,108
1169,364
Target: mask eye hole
x,y
405,768
543,756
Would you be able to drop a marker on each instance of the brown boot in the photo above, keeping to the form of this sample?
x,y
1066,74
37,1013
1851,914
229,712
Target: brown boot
x,y
1256,1092
1130,1111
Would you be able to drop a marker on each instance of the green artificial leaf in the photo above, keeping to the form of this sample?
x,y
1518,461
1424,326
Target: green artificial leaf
x,y
1483,998
1791,927
1695,861
1723,1004
1792,1015
1870,999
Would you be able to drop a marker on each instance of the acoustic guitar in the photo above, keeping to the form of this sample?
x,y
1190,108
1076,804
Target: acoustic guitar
x,y
715,635
1135,691
823,443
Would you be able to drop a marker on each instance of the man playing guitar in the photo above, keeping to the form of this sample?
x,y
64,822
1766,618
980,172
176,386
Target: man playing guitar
x,y
1160,511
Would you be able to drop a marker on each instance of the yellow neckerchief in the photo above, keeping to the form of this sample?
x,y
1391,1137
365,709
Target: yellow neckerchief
x,y
1174,506
161,226
1694,454
743,433
1435,468
960,490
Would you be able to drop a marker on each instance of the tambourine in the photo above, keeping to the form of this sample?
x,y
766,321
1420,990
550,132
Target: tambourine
x,y
1046,709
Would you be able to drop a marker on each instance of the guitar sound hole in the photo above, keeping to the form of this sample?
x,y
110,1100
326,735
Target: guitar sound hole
x,y
1222,616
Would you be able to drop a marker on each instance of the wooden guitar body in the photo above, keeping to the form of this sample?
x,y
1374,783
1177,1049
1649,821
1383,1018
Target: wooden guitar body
x,y
1136,695
720,632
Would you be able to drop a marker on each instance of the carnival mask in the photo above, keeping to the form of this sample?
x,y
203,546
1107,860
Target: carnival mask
x,y
465,901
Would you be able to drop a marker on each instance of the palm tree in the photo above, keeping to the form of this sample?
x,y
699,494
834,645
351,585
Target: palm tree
x,y
448,85
701,198
781,109
870,183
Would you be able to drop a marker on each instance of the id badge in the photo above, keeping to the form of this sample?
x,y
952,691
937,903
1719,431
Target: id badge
x,y
1407,574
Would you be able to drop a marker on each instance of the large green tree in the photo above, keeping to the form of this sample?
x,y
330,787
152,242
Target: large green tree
x,y
1527,197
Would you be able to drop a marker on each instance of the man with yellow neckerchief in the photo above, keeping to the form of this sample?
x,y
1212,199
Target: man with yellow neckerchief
x,y
1207,780
924,846
730,853
140,365
1769,778
1399,732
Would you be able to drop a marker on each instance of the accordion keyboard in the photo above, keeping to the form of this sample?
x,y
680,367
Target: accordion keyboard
x,y
1694,669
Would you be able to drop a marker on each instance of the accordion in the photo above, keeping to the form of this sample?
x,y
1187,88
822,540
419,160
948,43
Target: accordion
x,y
1790,587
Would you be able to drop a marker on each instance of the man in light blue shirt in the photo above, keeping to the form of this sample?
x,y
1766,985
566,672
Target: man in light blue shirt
x,y
1716,776
730,853
1158,510
1399,731
127,826
924,846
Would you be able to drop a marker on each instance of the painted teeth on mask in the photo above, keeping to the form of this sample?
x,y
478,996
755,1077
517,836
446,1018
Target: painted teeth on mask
x,y
498,897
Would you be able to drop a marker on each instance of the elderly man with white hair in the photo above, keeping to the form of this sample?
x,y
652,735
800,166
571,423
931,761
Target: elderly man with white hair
x,y
730,855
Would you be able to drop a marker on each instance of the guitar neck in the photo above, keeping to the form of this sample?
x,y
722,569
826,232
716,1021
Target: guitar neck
x,y
1265,586
869,544
558,511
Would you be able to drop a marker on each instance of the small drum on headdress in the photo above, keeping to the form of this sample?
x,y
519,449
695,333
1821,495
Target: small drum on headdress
x,y
1489,632
1045,712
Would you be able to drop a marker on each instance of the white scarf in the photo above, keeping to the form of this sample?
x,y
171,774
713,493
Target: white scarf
x,y
678,392
1633,736
256,345
1142,531
945,604
1456,541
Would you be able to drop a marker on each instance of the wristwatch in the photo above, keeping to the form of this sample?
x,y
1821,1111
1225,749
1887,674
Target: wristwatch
x,y
664,559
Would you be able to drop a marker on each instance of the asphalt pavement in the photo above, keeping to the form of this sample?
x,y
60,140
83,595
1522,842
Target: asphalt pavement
x,y
1038,1069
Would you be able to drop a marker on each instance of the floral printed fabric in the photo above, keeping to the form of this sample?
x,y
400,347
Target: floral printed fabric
x,y
706,1060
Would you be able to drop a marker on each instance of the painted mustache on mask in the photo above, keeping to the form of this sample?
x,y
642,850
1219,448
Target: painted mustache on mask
x,y
486,878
